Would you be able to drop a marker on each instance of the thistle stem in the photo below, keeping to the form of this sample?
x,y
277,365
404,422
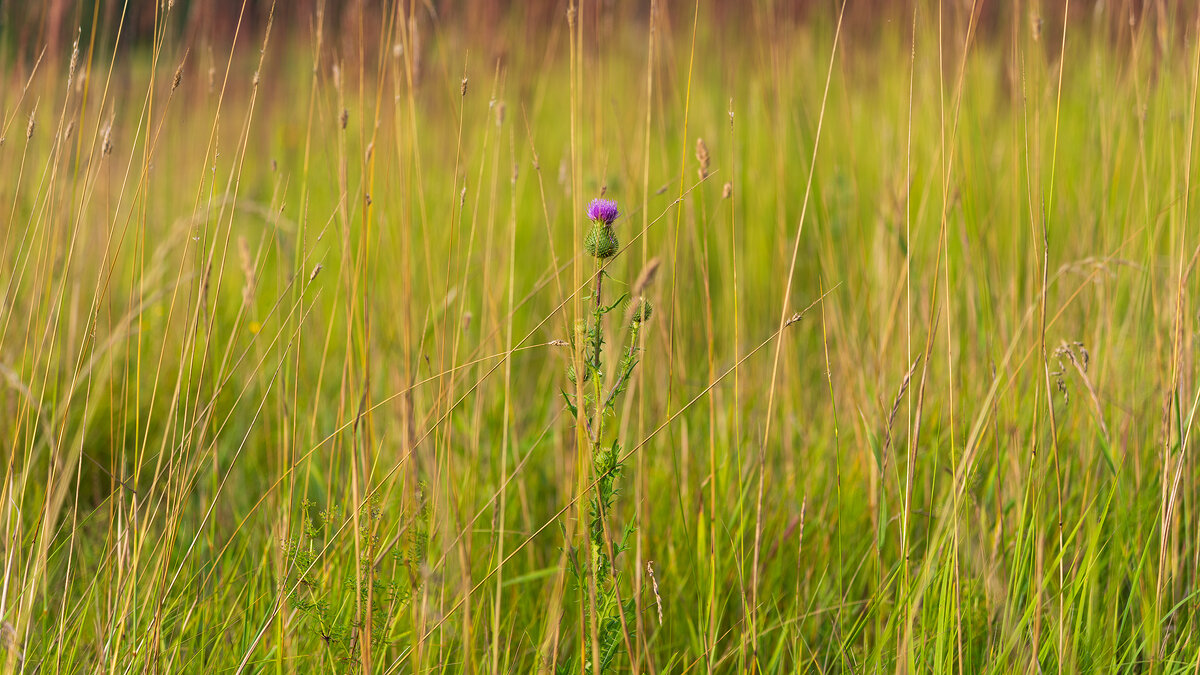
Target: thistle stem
x,y
598,426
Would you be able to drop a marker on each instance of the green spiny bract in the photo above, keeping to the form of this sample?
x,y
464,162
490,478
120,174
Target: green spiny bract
x,y
601,241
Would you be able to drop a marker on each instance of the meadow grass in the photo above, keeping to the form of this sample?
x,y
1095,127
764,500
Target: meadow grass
x,y
286,326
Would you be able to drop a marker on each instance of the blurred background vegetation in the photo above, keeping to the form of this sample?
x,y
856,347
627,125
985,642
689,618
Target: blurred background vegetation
x,y
26,27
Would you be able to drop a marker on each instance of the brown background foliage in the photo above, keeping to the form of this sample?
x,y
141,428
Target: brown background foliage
x,y
29,26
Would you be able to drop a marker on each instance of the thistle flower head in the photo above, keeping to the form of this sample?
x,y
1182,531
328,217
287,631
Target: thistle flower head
x,y
603,211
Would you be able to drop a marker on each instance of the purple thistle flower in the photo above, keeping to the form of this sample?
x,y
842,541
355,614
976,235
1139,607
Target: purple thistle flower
x,y
603,211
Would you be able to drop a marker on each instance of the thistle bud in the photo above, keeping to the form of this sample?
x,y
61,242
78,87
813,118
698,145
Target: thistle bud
x,y
639,310
581,332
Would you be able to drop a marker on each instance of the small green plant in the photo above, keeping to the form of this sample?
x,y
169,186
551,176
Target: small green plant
x,y
596,558
322,587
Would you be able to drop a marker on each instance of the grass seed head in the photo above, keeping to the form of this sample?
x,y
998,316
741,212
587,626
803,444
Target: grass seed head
x,y
654,582
645,277
247,262
74,61
702,157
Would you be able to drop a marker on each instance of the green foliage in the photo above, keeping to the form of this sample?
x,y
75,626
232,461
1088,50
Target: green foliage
x,y
342,600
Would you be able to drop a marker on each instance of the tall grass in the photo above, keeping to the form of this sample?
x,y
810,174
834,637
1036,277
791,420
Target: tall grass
x,y
284,328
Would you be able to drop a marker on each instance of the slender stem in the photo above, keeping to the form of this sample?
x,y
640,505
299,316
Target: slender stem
x,y
598,427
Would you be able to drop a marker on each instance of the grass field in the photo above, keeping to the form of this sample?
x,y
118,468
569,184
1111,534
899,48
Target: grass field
x,y
285,333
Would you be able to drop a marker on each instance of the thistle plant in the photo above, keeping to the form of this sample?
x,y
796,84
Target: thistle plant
x,y
601,389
